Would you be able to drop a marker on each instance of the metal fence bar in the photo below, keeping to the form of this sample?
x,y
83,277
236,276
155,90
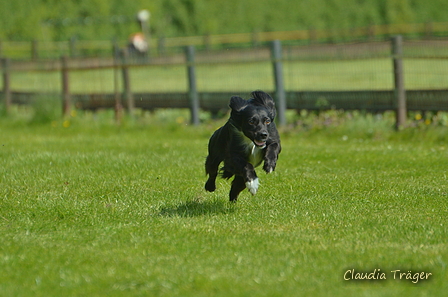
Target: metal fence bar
x,y
400,92
279,85
192,89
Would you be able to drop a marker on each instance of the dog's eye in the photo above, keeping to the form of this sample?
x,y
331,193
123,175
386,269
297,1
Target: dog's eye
x,y
267,121
252,121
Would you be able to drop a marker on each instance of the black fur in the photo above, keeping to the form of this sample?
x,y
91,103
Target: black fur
x,y
247,139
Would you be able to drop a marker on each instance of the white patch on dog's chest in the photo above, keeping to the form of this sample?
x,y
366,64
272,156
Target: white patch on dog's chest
x,y
256,155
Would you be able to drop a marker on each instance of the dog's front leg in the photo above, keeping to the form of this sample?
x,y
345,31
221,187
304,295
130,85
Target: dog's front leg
x,y
251,179
270,158
243,181
245,176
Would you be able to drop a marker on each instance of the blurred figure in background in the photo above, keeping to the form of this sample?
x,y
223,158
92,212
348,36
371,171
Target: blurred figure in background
x,y
138,46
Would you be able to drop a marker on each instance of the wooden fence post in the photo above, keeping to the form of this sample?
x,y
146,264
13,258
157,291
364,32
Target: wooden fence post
x,y
192,90
127,83
279,86
66,99
73,48
255,38
161,48
6,84
428,30
370,32
117,98
400,92
207,42
34,50
312,35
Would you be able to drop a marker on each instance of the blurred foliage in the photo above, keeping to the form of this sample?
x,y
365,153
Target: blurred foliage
x,y
106,19
46,109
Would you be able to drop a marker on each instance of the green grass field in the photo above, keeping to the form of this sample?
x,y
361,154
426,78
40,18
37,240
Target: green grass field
x,y
94,209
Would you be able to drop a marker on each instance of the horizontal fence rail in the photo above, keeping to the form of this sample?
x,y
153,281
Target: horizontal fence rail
x,y
373,101
353,76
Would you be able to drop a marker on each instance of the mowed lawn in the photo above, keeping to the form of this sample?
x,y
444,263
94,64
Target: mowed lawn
x,y
94,209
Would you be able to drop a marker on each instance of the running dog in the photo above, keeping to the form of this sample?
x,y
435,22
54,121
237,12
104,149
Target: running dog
x,y
247,139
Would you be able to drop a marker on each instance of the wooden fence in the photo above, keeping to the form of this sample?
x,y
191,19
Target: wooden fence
x,y
397,98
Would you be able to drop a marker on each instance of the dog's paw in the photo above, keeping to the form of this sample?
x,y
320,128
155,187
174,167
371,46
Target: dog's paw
x,y
269,166
252,186
210,186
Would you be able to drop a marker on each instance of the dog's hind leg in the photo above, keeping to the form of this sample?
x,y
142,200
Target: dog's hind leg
x,y
211,168
210,184
238,185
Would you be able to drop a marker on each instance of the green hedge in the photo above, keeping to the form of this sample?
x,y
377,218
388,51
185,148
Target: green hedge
x,y
105,19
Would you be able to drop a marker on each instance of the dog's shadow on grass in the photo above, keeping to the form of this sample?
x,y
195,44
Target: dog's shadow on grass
x,y
197,207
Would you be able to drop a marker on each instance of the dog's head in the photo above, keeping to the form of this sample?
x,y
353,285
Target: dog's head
x,y
254,117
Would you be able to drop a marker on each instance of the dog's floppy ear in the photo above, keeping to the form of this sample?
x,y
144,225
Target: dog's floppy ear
x,y
237,103
263,99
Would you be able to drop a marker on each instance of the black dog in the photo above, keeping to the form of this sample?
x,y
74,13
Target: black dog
x,y
248,138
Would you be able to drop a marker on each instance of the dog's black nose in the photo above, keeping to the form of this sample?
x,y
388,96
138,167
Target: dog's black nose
x,y
263,135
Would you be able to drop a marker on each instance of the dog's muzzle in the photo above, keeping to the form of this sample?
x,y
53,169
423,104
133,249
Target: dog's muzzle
x,y
260,139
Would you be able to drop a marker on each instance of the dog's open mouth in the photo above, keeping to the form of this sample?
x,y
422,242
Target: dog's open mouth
x,y
260,144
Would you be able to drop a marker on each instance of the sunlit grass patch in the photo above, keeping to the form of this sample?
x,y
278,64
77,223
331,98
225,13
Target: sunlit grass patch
x,y
96,208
